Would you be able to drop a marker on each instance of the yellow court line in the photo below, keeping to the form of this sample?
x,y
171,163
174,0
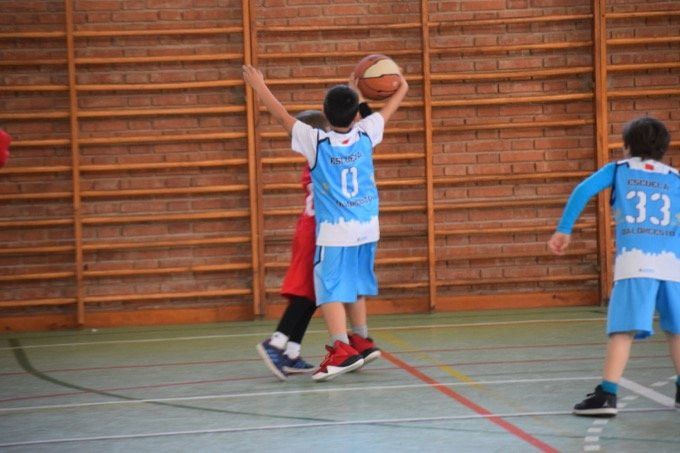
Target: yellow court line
x,y
448,369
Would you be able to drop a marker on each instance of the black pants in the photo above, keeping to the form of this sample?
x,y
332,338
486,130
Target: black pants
x,y
296,318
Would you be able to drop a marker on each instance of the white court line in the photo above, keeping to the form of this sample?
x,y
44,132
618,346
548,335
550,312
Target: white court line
x,y
304,425
291,392
647,393
266,334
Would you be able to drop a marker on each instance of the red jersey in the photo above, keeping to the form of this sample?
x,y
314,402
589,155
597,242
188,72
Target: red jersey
x,y
299,279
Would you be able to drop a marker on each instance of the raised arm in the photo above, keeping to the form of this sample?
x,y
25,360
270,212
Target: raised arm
x,y
253,77
394,101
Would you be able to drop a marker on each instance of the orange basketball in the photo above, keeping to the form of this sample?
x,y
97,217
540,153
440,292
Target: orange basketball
x,y
378,77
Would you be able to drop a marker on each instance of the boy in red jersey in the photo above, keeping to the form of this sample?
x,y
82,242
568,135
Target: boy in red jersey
x,y
281,352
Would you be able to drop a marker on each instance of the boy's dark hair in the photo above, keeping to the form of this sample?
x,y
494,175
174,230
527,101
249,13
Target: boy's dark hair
x,y
646,137
341,105
314,118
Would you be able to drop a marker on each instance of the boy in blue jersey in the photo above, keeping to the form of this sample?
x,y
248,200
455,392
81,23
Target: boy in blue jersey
x,y
346,211
646,207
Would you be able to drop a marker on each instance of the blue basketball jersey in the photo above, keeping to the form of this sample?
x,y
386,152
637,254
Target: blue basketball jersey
x,y
646,203
345,194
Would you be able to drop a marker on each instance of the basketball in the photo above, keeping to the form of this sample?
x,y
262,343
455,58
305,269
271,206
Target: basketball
x,y
378,77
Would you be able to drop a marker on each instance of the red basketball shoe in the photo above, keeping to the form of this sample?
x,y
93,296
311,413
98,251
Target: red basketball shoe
x,y
364,346
341,358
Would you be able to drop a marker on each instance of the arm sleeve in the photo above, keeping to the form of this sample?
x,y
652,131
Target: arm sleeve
x,y
587,189
373,125
304,139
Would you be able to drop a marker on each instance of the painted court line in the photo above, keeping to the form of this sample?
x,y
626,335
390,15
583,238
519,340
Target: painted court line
x,y
647,392
494,418
323,389
298,426
266,334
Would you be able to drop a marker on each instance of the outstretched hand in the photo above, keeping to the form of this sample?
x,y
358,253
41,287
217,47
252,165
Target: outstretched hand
x,y
253,76
354,84
559,242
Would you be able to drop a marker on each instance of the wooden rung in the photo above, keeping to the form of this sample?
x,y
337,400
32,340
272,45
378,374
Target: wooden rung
x,y
164,191
36,170
164,217
114,113
402,208
32,88
343,28
412,285
512,20
401,260
35,223
32,35
159,296
168,270
40,143
37,250
517,74
181,138
157,32
36,276
471,179
158,59
642,14
513,203
164,165
159,86
510,48
617,94
175,243
509,280
36,196
36,115
642,67
501,255
509,229
637,41
509,100
517,125
346,54
35,62
36,302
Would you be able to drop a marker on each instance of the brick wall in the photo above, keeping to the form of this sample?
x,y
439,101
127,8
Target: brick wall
x,y
163,176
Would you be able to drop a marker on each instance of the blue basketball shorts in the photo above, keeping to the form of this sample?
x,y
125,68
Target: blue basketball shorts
x,y
343,274
632,305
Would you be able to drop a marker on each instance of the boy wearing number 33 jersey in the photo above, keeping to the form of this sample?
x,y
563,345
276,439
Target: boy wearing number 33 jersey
x,y
646,207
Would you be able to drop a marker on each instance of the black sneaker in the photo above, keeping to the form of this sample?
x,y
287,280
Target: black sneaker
x,y
598,404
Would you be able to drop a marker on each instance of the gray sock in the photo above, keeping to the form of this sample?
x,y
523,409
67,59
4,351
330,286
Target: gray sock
x,y
340,337
362,331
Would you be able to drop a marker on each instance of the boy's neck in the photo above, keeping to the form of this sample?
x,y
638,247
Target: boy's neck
x,y
341,130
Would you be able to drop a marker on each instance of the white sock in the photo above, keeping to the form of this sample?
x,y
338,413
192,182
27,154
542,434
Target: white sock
x,y
278,340
293,350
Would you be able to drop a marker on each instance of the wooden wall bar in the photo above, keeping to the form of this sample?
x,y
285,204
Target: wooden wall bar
x,y
147,185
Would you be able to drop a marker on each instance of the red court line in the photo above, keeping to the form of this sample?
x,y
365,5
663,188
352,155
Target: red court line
x,y
509,427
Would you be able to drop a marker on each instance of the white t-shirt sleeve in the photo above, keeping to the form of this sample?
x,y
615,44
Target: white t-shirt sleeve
x,y
304,139
374,126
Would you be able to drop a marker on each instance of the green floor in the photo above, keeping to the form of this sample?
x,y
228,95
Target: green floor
x,y
482,381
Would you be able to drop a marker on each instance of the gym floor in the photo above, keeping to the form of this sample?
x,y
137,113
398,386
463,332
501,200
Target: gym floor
x,y
471,381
